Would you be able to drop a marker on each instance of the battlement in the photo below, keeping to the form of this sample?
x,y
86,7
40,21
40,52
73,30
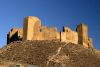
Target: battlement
x,y
33,30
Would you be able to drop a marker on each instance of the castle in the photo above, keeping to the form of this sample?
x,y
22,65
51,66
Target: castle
x,y
33,30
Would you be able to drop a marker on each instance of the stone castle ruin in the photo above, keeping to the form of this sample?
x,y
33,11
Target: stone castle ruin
x,y
33,30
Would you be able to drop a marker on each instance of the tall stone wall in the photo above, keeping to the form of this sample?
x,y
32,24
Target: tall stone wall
x,y
69,36
45,33
49,33
32,30
82,30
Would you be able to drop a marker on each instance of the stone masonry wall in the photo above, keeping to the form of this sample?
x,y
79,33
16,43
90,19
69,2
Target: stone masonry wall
x,y
69,36
33,30
14,35
82,30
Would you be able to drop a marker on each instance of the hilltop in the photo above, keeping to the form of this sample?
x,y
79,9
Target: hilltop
x,y
52,53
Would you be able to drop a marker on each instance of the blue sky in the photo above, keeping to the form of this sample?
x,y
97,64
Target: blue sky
x,y
52,13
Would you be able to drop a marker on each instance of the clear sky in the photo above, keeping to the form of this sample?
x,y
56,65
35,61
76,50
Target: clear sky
x,y
52,13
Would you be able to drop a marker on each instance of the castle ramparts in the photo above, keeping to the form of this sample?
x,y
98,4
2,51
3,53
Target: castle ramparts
x,y
33,30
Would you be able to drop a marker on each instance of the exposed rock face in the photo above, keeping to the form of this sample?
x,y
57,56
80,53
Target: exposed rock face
x,y
50,54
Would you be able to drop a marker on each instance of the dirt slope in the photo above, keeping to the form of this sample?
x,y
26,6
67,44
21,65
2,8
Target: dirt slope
x,y
50,54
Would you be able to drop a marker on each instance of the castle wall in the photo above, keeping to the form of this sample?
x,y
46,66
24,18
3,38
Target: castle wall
x,y
12,32
58,36
14,35
32,30
50,33
20,33
25,26
69,36
82,30
45,33
37,27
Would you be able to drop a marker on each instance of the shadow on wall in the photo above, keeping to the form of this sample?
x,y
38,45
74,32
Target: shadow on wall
x,y
15,37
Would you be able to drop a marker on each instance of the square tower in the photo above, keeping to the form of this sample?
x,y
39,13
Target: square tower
x,y
82,30
31,28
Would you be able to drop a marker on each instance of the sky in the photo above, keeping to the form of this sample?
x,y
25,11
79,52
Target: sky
x,y
56,13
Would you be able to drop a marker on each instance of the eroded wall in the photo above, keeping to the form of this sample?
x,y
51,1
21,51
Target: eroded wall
x,y
50,33
33,30
69,36
14,35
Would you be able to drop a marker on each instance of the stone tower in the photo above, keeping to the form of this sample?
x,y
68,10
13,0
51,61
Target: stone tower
x,y
31,28
82,30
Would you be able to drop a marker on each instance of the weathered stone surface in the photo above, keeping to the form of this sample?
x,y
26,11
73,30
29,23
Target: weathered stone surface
x,y
31,28
82,30
69,36
14,35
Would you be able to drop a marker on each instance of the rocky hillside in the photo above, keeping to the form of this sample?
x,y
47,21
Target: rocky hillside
x,y
50,54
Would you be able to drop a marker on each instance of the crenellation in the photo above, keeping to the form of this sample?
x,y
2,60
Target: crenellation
x,y
33,30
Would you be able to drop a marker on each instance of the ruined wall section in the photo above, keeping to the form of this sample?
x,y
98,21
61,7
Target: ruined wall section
x,y
69,36
50,33
14,35
33,31
45,33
